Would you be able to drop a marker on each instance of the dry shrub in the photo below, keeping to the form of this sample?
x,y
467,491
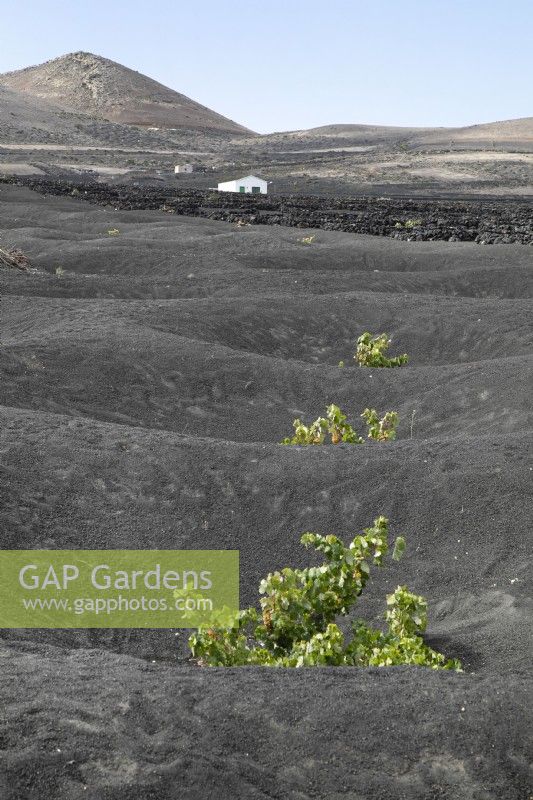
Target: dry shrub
x,y
14,259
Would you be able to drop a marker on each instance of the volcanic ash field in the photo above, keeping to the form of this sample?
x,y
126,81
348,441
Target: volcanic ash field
x,y
144,387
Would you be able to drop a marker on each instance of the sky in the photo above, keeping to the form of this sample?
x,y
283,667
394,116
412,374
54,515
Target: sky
x,y
277,65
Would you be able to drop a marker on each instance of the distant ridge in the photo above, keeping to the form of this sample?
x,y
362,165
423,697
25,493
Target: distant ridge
x,y
102,88
520,130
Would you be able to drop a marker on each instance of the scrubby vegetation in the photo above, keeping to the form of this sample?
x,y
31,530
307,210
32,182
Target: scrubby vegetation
x,y
14,258
335,426
409,224
371,352
298,627
384,429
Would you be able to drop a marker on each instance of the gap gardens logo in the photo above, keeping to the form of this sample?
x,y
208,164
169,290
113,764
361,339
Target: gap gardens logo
x,y
117,588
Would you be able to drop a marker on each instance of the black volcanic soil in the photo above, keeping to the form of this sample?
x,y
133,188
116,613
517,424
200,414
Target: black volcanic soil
x,y
481,221
142,393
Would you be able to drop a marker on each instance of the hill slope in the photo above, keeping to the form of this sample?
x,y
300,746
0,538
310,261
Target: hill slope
x,y
521,128
100,87
20,115
28,120
518,132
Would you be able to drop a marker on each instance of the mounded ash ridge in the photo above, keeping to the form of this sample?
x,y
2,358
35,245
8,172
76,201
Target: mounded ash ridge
x,y
95,85
144,387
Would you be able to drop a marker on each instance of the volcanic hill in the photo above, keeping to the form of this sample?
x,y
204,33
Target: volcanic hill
x,y
102,88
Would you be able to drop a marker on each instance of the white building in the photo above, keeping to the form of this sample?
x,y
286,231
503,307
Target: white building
x,y
183,168
249,185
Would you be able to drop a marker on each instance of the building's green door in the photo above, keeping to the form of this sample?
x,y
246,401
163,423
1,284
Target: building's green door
x,y
242,189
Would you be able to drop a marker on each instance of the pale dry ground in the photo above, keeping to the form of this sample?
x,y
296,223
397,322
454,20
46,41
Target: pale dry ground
x,y
347,149
484,155
19,168
490,173
53,148
99,168
498,173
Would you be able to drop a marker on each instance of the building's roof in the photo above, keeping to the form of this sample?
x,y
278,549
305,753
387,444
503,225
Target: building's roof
x,y
245,178
255,178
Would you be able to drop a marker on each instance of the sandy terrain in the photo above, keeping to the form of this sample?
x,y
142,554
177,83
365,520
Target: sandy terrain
x,y
58,148
142,394
19,168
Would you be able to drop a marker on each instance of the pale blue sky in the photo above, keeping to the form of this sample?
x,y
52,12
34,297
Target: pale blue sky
x,y
288,64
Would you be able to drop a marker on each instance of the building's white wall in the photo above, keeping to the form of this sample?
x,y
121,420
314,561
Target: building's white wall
x,y
248,181
228,186
183,168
